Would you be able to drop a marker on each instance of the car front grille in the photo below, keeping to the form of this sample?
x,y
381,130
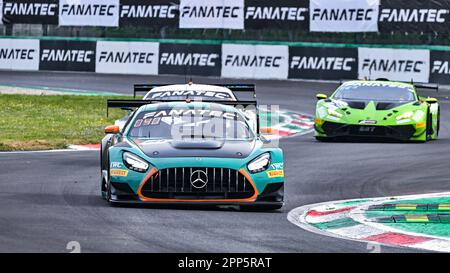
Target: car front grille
x,y
182,183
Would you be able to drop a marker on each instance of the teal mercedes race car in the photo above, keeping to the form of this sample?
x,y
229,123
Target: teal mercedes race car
x,y
378,109
190,152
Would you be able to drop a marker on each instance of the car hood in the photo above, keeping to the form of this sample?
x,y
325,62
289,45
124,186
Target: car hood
x,y
379,105
196,148
371,112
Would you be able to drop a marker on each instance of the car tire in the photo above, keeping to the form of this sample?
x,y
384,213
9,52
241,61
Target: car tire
x,y
323,139
429,126
438,121
108,185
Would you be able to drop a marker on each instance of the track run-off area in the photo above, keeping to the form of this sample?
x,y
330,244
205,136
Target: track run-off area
x,y
49,199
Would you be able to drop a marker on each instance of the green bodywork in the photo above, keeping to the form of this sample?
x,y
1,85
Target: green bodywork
x,y
423,116
134,179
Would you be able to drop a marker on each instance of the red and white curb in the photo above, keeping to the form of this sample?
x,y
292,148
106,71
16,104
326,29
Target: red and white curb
x,y
309,217
294,124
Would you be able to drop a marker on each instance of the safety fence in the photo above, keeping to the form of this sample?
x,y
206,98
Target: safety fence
x,y
230,59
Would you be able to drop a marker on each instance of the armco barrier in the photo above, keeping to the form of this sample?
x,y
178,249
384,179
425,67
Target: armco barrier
x,y
230,59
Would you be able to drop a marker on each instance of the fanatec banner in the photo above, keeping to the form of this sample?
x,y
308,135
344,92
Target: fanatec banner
x,y
89,13
344,15
330,63
127,57
1,12
227,14
414,16
394,64
440,67
190,59
67,55
230,60
159,13
19,54
255,61
288,14
31,12
384,16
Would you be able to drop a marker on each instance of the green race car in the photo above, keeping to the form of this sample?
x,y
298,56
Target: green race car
x,y
378,109
190,152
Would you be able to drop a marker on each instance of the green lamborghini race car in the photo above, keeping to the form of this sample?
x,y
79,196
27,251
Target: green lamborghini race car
x,y
378,109
190,152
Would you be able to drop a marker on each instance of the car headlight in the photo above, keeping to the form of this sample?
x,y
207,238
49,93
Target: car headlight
x,y
418,115
334,113
405,115
134,162
259,164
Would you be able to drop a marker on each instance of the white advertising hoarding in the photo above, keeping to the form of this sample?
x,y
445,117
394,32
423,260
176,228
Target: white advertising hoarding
x,y
127,57
89,13
394,64
19,54
228,14
255,61
344,15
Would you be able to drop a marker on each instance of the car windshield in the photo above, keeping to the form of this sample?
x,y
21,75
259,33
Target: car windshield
x,y
375,92
190,123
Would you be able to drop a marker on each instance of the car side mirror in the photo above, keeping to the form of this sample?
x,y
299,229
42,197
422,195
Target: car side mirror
x,y
321,96
112,129
431,100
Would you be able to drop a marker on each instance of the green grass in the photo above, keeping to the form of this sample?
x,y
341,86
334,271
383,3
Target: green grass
x,y
29,122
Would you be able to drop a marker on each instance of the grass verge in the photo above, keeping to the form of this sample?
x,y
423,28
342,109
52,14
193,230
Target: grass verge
x,y
29,122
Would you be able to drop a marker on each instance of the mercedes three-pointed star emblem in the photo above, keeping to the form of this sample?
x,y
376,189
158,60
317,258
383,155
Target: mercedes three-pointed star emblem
x,y
199,179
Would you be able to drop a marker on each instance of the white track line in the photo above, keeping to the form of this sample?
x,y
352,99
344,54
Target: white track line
x,y
45,151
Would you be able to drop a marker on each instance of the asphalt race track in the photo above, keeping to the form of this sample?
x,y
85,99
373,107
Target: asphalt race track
x,y
49,199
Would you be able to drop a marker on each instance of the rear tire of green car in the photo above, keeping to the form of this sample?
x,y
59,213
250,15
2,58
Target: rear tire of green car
x,y
323,139
429,127
438,121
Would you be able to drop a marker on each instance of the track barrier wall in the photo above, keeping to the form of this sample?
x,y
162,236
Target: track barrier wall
x,y
236,59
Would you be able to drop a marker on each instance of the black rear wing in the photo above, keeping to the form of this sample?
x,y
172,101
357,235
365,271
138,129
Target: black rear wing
x,y
132,104
432,86
417,85
249,88
144,88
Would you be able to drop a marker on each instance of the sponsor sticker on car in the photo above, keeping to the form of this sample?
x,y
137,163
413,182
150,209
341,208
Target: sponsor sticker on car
x,y
277,166
368,122
118,172
116,164
275,173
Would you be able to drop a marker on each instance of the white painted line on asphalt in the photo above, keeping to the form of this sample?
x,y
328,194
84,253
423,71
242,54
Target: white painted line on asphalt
x,y
44,151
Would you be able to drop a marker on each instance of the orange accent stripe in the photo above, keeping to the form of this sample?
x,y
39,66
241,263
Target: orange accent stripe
x,y
154,170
